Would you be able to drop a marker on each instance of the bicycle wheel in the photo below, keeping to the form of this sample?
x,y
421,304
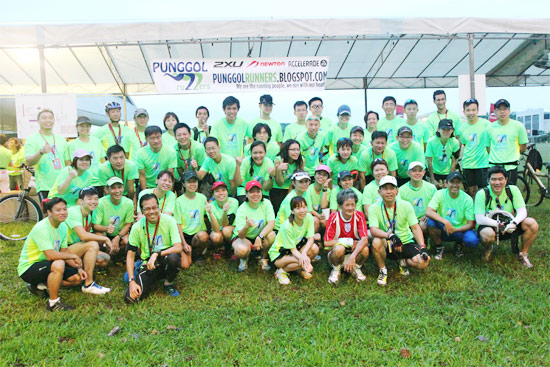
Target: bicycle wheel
x,y
18,217
524,189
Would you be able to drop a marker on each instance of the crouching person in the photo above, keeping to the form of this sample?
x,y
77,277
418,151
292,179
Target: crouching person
x,y
156,236
394,226
346,238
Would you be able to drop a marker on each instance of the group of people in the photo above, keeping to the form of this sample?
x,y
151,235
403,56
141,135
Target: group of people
x,y
161,201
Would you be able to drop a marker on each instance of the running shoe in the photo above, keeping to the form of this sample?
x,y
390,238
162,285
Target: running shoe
x,y
382,277
243,265
459,252
265,264
282,277
488,252
334,276
95,288
439,251
171,290
358,274
58,306
522,257
40,290
306,274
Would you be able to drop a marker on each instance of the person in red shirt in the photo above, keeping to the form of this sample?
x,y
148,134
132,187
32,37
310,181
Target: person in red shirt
x,y
346,237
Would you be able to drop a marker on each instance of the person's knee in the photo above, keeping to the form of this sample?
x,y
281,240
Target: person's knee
x,y
58,266
487,235
365,252
313,251
92,246
378,245
173,260
241,250
216,237
271,237
531,224
202,237
227,232
338,251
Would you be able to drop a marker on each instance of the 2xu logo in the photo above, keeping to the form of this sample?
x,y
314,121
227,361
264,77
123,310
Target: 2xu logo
x,y
228,64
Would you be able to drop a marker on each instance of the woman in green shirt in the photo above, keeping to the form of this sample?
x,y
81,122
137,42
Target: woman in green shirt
x,y
165,196
442,152
286,163
74,178
257,167
262,132
222,217
168,137
294,246
379,169
342,160
17,159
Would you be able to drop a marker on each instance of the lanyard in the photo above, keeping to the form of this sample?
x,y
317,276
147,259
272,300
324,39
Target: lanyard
x,y
53,147
91,216
119,139
392,222
121,172
154,234
181,155
137,134
163,201
446,111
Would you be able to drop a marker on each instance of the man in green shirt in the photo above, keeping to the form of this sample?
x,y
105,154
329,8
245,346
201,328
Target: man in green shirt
x,y
157,238
292,131
266,108
440,100
312,144
230,130
117,165
390,123
137,136
222,167
114,133
377,150
190,153
202,130
442,153
475,159
504,212
420,131
406,151
399,238
450,215
508,139
154,158
316,108
341,130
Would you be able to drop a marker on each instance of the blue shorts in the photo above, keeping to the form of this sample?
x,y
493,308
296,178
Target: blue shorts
x,y
468,238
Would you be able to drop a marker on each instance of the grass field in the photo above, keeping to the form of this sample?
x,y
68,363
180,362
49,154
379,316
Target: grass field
x,y
456,313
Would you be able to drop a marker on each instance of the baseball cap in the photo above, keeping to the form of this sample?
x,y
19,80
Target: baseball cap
x,y
343,174
356,129
404,129
343,109
300,175
455,174
416,164
187,175
79,153
502,101
387,180
251,184
217,184
266,99
141,111
82,120
445,124
113,180
323,167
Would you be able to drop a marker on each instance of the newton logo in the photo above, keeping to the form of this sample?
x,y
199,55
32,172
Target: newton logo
x,y
418,202
159,243
156,166
404,163
451,213
313,151
473,138
232,137
260,224
116,220
501,139
194,213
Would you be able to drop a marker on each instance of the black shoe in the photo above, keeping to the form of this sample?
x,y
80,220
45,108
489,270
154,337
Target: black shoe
x,y
42,293
199,261
58,306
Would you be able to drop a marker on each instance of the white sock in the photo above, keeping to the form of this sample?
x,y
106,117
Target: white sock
x,y
357,266
337,267
53,301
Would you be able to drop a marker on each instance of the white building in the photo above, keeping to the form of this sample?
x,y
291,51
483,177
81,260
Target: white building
x,y
536,121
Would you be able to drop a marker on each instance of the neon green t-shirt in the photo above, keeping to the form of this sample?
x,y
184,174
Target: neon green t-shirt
x,y
335,134
195,150
311,150
457,211
153,163
421,132
313,198
94,147
418,197
368,156
276,130
334,198
105,135
326,125
505,141
75,219
292,131
260,174
190,213
230,136
415,152
404,219
17,160
272,150
285,211
129,172
5,157
370,193
167,235
357,150
290,235
137,141
76,185
433,120
442,156
286,175
475,140
217,210
223,171
336,166
168,139
261,216
390,126
166,205
43,237
45,172
504,200
120,214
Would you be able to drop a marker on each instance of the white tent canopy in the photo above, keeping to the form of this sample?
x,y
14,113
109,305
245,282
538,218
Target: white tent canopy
x,y
363,52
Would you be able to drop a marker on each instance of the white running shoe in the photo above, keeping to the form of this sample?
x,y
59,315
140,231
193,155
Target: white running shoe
x,y
334,276
524,260
358,274
282,277
439,253
382,277
243,265
95,288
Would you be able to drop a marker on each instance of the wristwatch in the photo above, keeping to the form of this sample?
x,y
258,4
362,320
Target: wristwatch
x,y
130,280
261,236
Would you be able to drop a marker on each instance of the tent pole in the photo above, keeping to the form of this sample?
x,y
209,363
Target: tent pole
x,y
42,69
472,71
365,90
124,102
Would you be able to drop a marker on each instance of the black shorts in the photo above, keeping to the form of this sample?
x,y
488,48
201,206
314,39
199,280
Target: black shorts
x,y
475,177
408,251
504,236
38,272
286,251
188,238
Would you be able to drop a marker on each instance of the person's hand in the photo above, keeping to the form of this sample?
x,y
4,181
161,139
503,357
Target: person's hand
x,y
82,273
250,223
350,264
283,166
114,245
187,249
205,128
47,148
239,160
305,263
424,254
138,216
226,206
151,262
194,164
257,244
111,226
326,185
135,290
272,171
208,208
448,227
77,260
72,173
511,227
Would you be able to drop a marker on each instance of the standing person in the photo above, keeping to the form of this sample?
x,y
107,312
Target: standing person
x,y
406,151
202,130
312,144
342,160
230,130
377,150
418,193
371,122
163,192
257,167
17,160
137,138
341,130
168,138
346,238
114,133
507,140
156,238
266,108
5,161
300,183
222,167
292,131
357,136
318,195
316,109
254,225
154,158
222,217
190,153
390,123
442,113
475,159
117,165
71,180
290,160
441,153
450,215
421,133
498,197
345,181
45,263
294,248
45,151
262,132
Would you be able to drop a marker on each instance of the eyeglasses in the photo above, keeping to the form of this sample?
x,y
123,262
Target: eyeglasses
x,y
471,100
294,149
344,139
316,106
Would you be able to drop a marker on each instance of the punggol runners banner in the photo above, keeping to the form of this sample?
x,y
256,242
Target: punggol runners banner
x,y
239,75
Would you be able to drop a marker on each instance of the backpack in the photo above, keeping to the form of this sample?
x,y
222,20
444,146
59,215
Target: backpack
x,y
196,132
535,159
508,193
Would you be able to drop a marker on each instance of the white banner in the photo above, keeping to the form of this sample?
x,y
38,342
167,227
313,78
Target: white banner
x,y
239,75
62,105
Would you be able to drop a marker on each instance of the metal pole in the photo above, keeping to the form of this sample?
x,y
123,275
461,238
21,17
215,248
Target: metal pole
x,y
124,102
42,69
472,71
365,89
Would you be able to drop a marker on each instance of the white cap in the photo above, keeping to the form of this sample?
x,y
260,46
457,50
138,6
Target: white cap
x,y
416,164
387,180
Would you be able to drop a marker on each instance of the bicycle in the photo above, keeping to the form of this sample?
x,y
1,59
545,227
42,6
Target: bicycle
x,y
530,172
19,213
